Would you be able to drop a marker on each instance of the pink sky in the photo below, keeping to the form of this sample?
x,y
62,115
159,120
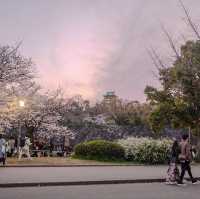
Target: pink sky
x,y
89,47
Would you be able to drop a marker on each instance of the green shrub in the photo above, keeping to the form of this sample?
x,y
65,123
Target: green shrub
x,y
197,155
146,150
99,150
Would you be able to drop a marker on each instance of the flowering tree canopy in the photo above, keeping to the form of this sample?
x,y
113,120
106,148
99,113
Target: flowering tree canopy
x,y
41,112
15,72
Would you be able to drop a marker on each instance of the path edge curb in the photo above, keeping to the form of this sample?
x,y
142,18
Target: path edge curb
x,y
78,183
78,165
81,183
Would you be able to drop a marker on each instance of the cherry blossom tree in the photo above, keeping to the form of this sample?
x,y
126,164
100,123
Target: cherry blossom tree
x,y
15,71
41,115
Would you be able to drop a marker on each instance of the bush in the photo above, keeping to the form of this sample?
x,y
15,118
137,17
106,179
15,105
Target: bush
x,y
99,150
197,155
146,150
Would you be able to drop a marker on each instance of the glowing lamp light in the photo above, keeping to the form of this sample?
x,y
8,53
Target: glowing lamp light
x,y
21,103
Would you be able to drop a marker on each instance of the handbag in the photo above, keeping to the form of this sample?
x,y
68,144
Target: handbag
x,y
181,157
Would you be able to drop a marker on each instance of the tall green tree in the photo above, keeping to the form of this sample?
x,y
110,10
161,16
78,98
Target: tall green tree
x,y
177,103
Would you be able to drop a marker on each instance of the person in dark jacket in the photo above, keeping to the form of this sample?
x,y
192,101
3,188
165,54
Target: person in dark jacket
x,y
175,152
173,171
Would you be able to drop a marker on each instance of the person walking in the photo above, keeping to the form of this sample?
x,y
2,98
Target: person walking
x,y
11,143
24,148
173,176
2,149
185,159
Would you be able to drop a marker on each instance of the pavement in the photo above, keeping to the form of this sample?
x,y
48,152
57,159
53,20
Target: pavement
x,y
58,176
128,191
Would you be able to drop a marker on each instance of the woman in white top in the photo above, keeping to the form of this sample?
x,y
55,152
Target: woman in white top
x,y
2,149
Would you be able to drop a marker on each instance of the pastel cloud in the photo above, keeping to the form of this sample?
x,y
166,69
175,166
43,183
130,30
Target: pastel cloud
x,y
90,46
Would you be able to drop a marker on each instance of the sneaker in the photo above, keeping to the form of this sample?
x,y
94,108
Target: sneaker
x,y
181,184
194,181
170,183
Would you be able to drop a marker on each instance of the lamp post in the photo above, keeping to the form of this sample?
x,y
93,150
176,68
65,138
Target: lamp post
x,y
189,130
21,105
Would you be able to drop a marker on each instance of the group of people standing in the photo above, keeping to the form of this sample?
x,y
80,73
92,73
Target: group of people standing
x,y
180,153
9,148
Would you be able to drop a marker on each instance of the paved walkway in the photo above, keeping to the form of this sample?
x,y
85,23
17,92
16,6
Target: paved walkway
x,y
73,174
128,191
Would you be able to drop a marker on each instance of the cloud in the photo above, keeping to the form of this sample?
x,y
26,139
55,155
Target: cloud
x,y
92,46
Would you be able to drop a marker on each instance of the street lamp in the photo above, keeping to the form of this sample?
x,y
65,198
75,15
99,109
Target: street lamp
x,y
21,105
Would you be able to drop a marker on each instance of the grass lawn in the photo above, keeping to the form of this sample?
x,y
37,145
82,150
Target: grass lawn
x,y
58,161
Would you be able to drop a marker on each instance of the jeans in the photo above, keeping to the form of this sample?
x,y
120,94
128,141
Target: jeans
x,y
3,160
185,166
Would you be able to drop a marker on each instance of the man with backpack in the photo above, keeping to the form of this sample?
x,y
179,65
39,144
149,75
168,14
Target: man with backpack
x,y
185,159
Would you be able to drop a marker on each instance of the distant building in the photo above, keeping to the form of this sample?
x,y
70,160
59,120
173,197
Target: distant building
x,y
98,119
110,98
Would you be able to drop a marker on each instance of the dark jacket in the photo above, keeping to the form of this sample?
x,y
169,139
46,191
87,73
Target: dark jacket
x,y
175,155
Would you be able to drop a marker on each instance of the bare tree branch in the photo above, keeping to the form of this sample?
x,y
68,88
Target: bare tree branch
x,y
184,38
156,57
15,49
153,59
191,23
171,42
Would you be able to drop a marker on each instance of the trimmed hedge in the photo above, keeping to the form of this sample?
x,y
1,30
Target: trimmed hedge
x,y
197,155
99,150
